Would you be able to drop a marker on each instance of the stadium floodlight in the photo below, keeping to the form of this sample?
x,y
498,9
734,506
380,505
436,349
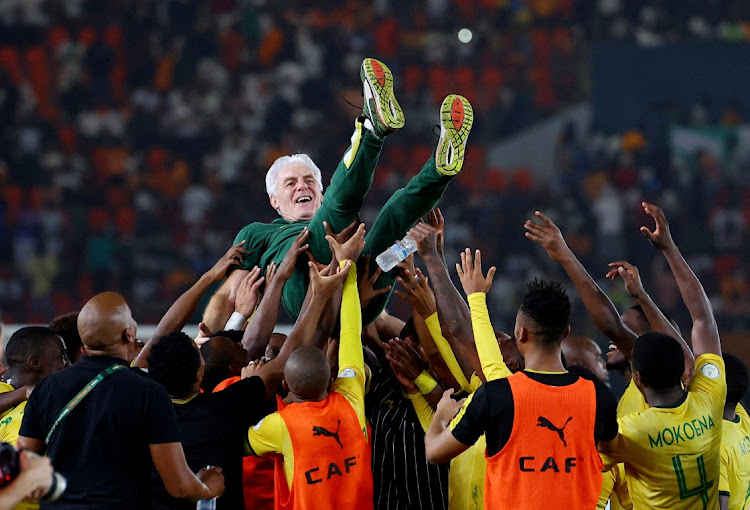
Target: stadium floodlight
x,y
465,35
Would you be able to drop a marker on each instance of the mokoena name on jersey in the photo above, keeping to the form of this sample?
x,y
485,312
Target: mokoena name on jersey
x,y
681,433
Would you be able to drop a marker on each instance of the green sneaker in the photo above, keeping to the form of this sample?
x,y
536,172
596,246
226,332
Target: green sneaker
x,y
456,118
380,106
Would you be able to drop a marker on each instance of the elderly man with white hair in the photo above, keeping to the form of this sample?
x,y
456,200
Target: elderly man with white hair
x,y
295,190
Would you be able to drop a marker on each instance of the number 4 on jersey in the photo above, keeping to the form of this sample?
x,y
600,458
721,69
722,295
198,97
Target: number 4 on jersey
x,y
705,483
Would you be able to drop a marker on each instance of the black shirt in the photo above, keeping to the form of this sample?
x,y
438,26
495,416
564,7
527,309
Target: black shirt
x,y
213,431
491,409
402,477
102,446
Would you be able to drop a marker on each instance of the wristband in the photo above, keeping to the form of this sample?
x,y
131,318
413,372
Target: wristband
x,y
236,321
425,382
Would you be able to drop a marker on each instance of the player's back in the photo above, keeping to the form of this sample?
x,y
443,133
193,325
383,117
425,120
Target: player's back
x,y
331,457
735,457
671,454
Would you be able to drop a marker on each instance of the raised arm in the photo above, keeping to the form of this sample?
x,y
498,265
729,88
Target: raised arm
x,y
350,340
182,309
705,334
601,309
248,294
322,287
419,294
454,315
476,286
420,388
260,328
633,285
350,381
350,343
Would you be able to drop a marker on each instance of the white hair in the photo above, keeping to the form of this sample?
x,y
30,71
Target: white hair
x,y
272,176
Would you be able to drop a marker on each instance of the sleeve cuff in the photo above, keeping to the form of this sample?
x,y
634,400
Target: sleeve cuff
x,y
236,321
425,383
477,296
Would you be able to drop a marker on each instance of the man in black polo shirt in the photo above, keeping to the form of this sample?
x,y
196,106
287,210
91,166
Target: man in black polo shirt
x,y
105,445
213,426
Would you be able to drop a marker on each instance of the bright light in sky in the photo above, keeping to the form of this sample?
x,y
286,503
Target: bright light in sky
x,y
465,35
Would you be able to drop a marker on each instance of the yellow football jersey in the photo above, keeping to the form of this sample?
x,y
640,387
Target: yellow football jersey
x,y
467,470
614,486
735,461
10,426
467,473
632,401
466,478
615,490
5,387
671,455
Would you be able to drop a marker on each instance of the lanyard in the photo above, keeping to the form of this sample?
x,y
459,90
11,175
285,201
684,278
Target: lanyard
x,y
81,395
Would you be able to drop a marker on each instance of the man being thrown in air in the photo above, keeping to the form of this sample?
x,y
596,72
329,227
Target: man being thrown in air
x,y
295,189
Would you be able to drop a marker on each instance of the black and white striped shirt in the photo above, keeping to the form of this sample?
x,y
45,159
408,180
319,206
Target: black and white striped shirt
x,y
403,479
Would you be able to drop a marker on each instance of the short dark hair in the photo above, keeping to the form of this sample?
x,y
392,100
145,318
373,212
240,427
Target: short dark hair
x,y
174,362
26,343
548,306
217,365
645,325
234,335
660,361
67,327
738,379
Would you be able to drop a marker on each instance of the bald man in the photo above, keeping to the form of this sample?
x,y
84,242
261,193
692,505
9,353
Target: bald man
x,y
581,351
120,421
321,435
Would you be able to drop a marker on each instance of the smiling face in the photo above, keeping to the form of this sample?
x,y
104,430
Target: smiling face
x,y
298,195
584,352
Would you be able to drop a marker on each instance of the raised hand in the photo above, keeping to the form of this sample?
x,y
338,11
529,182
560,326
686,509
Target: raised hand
x,y
270,273
235,255
324,286
248,293
252,368
406,265
418,293
286,268
435,219
470,273
548,235
630,276
204,333
447,408
345,234
404,357
661,238
312,259
366,284
348,249
426,237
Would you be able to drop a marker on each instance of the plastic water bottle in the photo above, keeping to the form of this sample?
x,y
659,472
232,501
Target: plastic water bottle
x,y
396,253
206,504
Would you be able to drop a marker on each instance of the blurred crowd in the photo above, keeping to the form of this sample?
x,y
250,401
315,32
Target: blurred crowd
x,y
136,134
